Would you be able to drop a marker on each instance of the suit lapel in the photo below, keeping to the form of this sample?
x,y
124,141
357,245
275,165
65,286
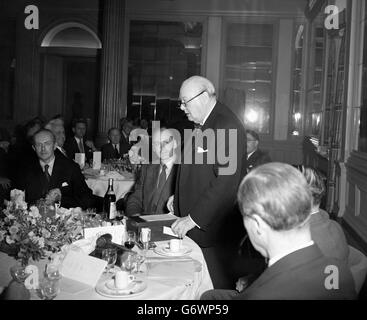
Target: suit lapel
x,y
167,184
150,185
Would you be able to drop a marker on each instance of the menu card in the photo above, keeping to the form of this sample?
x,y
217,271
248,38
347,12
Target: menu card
x,y
80,159
80,267
97,156
117,232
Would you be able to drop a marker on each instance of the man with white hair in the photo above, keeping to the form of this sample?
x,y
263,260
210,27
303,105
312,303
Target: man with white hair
x,y
205,195
275,201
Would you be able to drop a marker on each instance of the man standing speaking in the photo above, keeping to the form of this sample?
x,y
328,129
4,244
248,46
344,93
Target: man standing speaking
x,y
208,178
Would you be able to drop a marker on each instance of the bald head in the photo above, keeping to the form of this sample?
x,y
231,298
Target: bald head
x,y
197,95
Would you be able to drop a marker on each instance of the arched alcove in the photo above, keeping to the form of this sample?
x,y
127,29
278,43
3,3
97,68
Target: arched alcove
x,y
72,35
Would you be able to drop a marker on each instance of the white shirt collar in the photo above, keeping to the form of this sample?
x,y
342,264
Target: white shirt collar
x,y
207,116
169,164
78,139
250,154
285,253
50,165
117,146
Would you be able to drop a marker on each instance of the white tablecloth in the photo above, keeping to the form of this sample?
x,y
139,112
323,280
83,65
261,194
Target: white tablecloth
x,y
99,185
167,278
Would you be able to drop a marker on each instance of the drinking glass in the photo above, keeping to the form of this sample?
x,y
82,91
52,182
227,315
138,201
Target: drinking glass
x,y
49,288
145,238
128,261
140,258
52,272
130,240
110,255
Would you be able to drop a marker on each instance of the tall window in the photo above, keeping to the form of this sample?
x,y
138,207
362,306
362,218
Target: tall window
x,y
362,144
248,76
161,55
297,83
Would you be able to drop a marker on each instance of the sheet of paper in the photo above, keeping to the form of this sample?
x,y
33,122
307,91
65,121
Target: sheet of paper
x,y
117,233
72,286
158,217
82,268
168,230
97,156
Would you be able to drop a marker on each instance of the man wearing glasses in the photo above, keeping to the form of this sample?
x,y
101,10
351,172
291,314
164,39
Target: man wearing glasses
x,y
157,181
204,198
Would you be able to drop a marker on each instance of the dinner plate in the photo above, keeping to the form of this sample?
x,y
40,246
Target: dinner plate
x,y
107,288
165,251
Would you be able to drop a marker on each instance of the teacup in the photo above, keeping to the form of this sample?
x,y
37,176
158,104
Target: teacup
x,y
123,279
175,245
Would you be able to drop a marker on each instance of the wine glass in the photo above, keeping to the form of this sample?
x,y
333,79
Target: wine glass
x,y
49,288
140,258
110,255
52,272
128,261
130,240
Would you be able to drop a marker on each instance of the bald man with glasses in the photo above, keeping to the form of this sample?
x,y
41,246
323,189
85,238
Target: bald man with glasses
x,y
204,198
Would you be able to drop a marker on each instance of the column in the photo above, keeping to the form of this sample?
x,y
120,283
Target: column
x,y
111,107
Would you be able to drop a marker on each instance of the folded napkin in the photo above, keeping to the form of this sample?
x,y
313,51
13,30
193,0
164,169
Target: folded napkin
x,y
113,175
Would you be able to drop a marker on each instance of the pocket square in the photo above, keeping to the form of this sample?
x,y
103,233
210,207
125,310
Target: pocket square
x,y
64,184
201,150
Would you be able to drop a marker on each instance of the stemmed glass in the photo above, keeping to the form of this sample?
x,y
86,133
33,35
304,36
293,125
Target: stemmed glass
x,y
128,261
130,240
110,255
140,258
49,288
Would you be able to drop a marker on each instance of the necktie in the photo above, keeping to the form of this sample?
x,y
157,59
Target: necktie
x,y
81,146
116,151
158,190
47,174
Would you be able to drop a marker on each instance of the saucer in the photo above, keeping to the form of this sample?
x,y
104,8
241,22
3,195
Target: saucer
x,y
165,251
107,288
110,284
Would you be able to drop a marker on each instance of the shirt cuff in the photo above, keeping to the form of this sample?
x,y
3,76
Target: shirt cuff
x,y
193,222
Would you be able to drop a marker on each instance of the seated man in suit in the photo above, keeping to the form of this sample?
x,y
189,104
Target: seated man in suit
x,y
58,130
275,202
156,182
113,149
126,127
255,156
54,171
326,233
78,144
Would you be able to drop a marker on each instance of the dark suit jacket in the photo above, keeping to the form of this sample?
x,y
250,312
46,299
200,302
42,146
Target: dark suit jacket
x,y
257,158
140,201
301,275
210,198
125,145
66,176
71,147
108,151
329,236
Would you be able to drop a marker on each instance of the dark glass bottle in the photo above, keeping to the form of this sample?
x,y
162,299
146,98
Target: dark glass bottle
x,y
109,202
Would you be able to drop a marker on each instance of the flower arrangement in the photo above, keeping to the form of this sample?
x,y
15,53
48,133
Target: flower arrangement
x,y
33,232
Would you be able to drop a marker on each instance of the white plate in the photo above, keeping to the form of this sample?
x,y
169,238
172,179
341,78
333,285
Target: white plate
x,y
106,288
165,251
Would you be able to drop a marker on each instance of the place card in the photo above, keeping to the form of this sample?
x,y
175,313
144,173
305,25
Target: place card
x,y
82,268
117,232
80,159
168,230
97,156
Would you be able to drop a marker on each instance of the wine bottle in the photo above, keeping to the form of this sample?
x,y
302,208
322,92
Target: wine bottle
x,y
109,202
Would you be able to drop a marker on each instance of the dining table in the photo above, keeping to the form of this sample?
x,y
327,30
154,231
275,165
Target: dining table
x,y
165,277
97,181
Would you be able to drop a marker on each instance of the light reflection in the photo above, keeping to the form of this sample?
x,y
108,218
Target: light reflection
x,y
251,115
